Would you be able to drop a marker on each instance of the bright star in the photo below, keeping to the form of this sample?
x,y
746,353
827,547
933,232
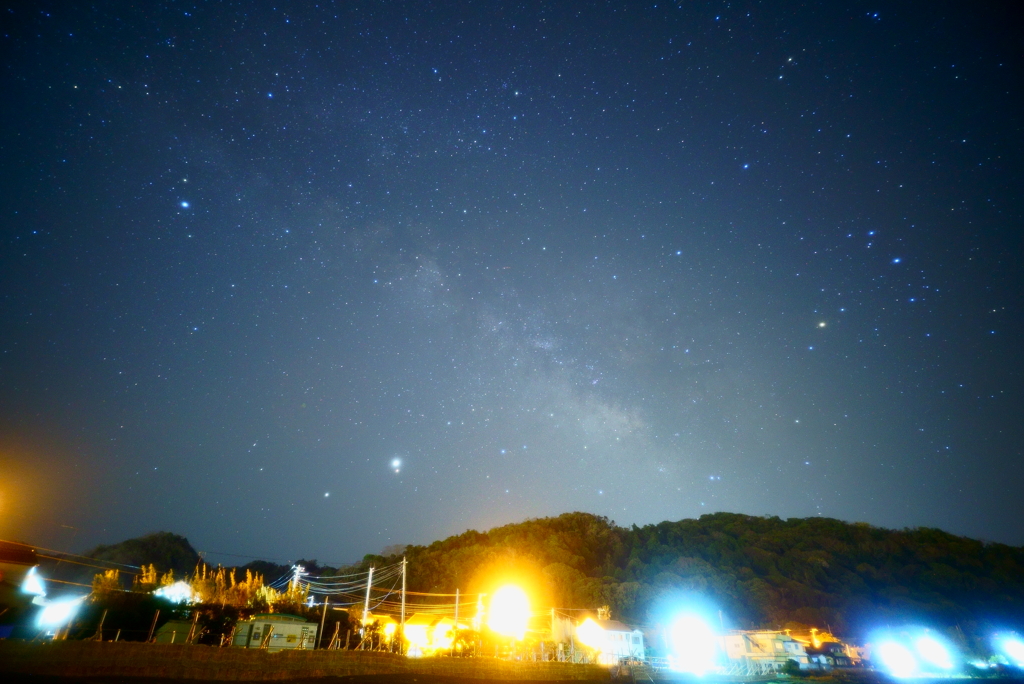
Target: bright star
x,y
396,464
184,204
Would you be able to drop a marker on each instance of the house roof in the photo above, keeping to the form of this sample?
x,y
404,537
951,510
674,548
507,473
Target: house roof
x,y
421,619
383,619
278,617
613,626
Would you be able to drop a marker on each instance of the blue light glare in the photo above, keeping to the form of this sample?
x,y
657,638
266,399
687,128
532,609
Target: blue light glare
x,y
1013,648
33,584
693,645
56,614
184,205
934,652
897,659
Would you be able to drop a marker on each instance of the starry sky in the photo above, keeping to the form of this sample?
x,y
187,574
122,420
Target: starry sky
x,y
310,280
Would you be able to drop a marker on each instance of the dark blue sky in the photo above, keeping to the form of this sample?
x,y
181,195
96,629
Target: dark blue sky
x,y
314,280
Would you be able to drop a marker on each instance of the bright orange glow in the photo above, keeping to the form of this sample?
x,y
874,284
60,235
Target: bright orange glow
x,y
590,634
444,634
510,612
416,635
428,634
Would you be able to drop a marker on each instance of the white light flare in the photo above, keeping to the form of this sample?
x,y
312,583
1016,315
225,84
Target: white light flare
x,y
897,659
693,645
179,592
1013,647
33,584
56,614
933,652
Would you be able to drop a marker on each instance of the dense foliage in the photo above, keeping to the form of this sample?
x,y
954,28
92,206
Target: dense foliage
x,y
759,571
165,550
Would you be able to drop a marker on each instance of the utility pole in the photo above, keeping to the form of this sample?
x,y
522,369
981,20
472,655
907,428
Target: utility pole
x,y
334,639
99,630
192,630
366,605
323,619
479,622
153,626
401,644
455,631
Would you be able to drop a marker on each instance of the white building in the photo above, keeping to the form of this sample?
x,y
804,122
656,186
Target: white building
x,y
275,632
612,639
763,650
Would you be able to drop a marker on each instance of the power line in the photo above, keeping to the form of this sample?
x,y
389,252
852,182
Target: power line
x,y
89,565
77,584
66,553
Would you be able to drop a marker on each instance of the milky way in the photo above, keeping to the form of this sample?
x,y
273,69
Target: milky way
x,y
312,281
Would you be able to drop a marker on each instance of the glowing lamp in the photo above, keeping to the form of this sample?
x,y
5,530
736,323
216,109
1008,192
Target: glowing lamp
x,y
933,652
179,592
1013,648
590,634
693,645
897,659
510,612
417,637
33,583
56,614
444,635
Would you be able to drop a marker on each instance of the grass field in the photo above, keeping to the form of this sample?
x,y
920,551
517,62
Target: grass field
x,y
109,662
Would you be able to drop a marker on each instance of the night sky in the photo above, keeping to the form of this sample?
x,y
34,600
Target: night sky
x,y
312,280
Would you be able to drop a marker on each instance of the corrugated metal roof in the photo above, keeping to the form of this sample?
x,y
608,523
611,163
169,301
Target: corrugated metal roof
x,y
613,626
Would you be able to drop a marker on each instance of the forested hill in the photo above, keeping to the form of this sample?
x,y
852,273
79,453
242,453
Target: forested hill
x,y
759,571
163,549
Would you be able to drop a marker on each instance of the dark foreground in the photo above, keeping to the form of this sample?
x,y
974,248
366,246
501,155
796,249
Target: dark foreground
x,y
356,679
106,662
81,662
627,678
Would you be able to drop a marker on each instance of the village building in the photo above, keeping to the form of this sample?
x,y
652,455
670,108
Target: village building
x,y
763,650
275,632
384,626
613,640
825,651
427,633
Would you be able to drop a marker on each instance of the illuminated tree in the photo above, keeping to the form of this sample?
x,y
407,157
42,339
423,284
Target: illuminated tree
x,y
146,581
106,583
